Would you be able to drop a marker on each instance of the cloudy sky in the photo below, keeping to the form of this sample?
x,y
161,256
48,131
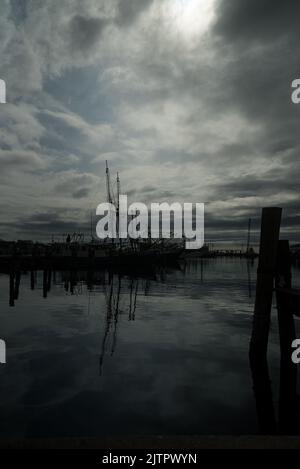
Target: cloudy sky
x,y
190,100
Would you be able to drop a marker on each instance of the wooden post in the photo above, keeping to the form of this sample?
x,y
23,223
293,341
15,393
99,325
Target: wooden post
x,y
11,288
45,283
17,284
287,333
265,409
72,282
283,280
270,226
32,280
269,235
49,275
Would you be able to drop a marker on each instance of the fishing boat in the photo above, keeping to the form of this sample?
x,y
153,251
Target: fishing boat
x,y
74,252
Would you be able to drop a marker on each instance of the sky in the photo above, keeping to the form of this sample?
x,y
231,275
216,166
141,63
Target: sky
x,y
189,100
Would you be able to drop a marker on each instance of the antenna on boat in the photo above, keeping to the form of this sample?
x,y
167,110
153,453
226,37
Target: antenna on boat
x,y
92,237
109,198
118,205
118,189
249,232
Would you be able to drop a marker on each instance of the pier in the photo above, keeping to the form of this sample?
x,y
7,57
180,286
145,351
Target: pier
x,y
274,279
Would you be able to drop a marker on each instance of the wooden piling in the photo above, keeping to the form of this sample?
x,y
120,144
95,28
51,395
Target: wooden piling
x,y
45,283
11,288
17,284
270,226
49,276
32,282
283,280
287,334
262,388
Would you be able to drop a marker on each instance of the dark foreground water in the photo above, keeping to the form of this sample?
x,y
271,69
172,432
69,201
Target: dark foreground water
x,y
119,355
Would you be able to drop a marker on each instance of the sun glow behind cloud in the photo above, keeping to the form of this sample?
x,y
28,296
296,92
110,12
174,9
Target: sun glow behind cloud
x,y
190,18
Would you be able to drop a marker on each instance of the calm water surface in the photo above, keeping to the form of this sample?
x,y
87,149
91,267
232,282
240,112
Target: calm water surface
x,y
113,355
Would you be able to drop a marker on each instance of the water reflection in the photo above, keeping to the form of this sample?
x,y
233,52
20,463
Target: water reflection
x,y
160,352
74,281
112,293
286,420
250,264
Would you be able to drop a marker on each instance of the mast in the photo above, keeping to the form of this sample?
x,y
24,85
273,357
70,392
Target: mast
x,y
248,238
92,237
109,198
118,190
118,206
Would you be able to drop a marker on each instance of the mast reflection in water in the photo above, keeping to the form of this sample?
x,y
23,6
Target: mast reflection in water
x,y
102,353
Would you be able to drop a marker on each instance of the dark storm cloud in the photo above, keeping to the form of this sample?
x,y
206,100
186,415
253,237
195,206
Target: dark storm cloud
x,y
75,185
12,159
258,20
182,117
85,32
247,186
81,193
18,10
51,227
129,10
46,223
261,40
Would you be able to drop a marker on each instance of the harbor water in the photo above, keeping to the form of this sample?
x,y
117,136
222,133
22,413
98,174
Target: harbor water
x,y
164,353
